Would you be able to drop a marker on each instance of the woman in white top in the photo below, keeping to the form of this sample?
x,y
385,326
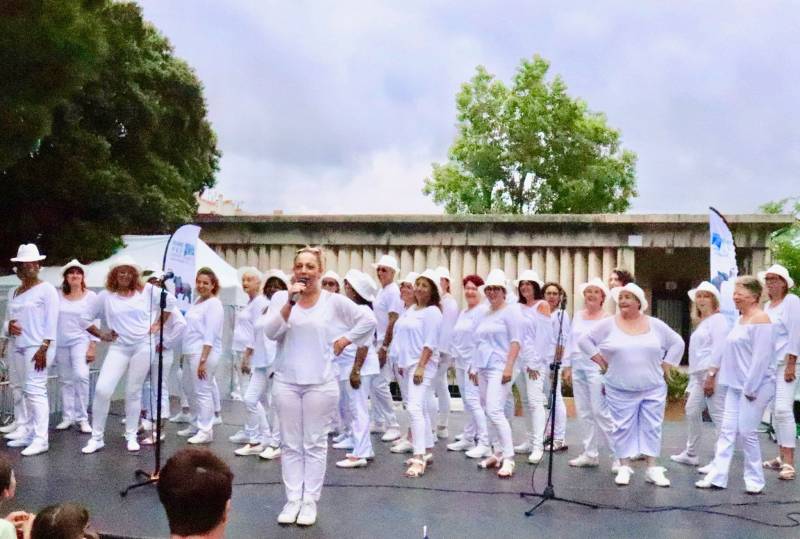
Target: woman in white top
x,y
555,296
475,436
251,280
76,348
498,338
534,365
635,351
406,288
585,377
747,370
440,384
783,309
305,388
705,350
201,348
130,311
32,323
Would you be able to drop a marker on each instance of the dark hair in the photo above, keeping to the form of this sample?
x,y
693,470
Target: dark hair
x,y
5,472
358,300
111,280
194,487
208,272
538,292
474,279
624,276
63,521
281,284
436,299
65,285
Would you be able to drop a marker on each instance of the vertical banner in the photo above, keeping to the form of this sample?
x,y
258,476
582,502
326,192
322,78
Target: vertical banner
x,y
180,260
723,262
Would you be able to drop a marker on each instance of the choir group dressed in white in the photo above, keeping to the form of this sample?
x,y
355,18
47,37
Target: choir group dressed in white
x,y
321,352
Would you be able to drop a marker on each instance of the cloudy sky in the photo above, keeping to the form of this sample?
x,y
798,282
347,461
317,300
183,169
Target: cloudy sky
x,y
342,106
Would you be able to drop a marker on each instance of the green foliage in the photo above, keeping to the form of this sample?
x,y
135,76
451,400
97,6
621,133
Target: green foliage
x,y
785,243
677,380
125,153
531,148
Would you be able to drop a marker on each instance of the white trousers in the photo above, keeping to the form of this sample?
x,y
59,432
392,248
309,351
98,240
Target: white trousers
x,y
261,424
345,419
418,398
741,419
121,359
382,405
304,413
561,409
33,393
473,405
470,432
358,414
150,388
442,389
201,398
696,401
494,396
587,387
638,417
537,416
783,410
236,373
73,373
16,380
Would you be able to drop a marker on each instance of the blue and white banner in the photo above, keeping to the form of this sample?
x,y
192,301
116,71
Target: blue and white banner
x,y
723,263
180,260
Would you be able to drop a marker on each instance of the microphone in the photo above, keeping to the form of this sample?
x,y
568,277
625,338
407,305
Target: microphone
x,y
296,296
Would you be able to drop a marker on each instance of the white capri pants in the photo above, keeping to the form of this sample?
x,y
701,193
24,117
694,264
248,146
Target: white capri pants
x,y
73,373
494,396
783,412
741,418
33,393
133,359
418,398
358,415
442,389
261,425
201,400
638,417
587,387
696,401
304,413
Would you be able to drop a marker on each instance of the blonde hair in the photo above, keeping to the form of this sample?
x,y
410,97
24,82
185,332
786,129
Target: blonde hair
x,y
696,315
318,253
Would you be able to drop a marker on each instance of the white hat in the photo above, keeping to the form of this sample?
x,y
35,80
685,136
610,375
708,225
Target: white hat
x,y
125,260
28,252
775,269
277,274
705,286
596,282
496,277
330,274
387,261
443,272
249,270
529,275
362,283
634,289
410,278
74,263
433,276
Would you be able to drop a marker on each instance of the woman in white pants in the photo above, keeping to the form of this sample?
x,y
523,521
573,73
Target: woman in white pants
x,y
130,311
32,321
305,389
201,348
498,338
555,296
537,336
475,436
783,309
586,378
705,351
747,370
635,351
76,348
440,384
406,287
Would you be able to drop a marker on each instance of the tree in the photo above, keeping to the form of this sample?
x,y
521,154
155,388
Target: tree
x,y
785,243
126,153
531,148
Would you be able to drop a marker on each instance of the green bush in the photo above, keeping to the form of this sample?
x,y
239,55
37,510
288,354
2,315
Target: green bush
x,y
677,380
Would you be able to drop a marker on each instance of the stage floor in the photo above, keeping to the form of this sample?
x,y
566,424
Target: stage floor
x,y
454,499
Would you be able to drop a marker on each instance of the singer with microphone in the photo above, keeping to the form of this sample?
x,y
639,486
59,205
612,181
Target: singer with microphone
x,y
305,389
556,297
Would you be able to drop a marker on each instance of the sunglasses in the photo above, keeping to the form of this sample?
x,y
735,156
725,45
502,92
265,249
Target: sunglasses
x,y
330,283
381,269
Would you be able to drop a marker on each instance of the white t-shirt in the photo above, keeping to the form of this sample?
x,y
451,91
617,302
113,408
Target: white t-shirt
x,y
36,311
786,319
449,318
130,317
462,345
748,359
70,318
204,326
494,335
243,336
264,348
707,343
573,357
305,341
347,358
634,361
414,330
387,300
537,337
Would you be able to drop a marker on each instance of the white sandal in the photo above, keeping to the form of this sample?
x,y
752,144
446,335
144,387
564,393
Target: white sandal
x,y
507,469
416,468
774,464
787,472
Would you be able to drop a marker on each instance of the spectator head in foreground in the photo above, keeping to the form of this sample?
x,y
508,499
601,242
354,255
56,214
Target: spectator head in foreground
x,y
63,521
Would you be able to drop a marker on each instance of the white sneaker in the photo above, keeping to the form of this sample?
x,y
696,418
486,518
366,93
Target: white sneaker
x,y
377,428
461,445
249,449
524,447
403,446
16,434
36,448
753,490
459,437
180,417
93,446
24,441
655,475
308,513
584,461
289,512
133,445
442,433
187,432
707,469
270,453
347,443
391,434
339,437
240,437
685,458
536,456
352,463
706,483
624,474
150,439
11,427
64,425
201,438
615,464
479,452
85,427
217,420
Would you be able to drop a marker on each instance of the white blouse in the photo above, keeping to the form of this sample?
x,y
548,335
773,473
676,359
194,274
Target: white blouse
x,y
748,360
70,318
786,319
449,318
264,348
174,328
462,345
537,337
36,311
203,326
243,336
494,335
414,330
305,341
634,361
130,317
386,301
566,331
707,343
573,356
347,358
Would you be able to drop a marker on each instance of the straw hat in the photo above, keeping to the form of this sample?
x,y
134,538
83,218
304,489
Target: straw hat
x,y
74,263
